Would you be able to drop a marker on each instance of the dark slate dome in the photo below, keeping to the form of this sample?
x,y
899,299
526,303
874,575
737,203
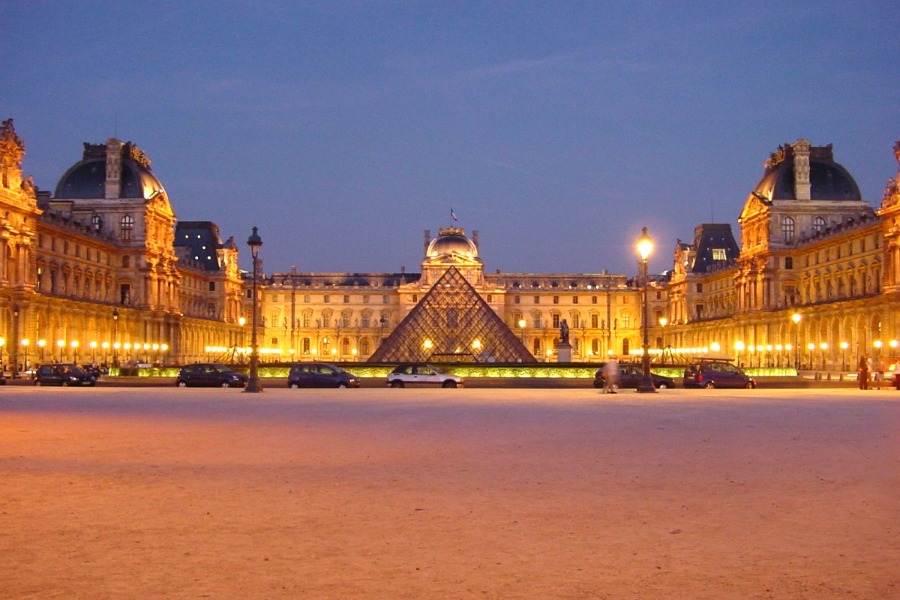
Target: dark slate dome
x,y
87,178
451,240
828,179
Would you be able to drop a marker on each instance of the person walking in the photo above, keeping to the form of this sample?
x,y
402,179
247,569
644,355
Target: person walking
x,y
862,371
610,376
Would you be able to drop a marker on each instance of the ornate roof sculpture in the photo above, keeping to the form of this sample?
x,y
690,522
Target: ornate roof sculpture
x,y
452,323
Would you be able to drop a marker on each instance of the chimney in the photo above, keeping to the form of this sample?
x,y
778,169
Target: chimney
x,y
113,168
801,170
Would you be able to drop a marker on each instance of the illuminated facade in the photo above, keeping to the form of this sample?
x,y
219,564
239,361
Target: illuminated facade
x,y
810,247
102,271
347,316
95,273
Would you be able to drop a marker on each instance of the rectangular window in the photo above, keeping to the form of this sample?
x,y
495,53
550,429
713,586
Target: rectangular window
x,y
517,300
556,320
555,299
212,286
346,299
537,299
574,299
595,320
699,287
593,299
366,299
326,299
490,298
788,262
718,253
306,299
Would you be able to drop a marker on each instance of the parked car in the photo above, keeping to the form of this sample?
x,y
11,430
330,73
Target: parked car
x,y
210,375
63,374
716,374
631,375
422,374
320,375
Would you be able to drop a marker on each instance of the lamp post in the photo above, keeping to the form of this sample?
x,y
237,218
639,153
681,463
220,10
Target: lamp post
x,y
522,328
796,319
41,343
115,316
645,247
844,346
14,348
253,385
383,322
824,347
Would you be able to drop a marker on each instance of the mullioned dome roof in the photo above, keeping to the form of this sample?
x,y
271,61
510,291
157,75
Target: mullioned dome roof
x,y
452,240
87,178
828,179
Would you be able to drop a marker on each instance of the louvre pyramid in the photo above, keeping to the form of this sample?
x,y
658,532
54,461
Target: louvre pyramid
x,y
445,325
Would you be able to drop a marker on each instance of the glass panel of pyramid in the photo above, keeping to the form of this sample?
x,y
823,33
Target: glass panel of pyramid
x,y
452,323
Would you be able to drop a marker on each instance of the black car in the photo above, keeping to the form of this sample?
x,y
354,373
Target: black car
x,y
310,375
716,374
631,375
63,374
210,375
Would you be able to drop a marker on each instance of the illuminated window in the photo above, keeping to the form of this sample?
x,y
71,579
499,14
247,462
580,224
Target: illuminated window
x,y
718,253
818,224
126,227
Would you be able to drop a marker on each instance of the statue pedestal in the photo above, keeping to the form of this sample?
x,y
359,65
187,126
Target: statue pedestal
x,y
563,352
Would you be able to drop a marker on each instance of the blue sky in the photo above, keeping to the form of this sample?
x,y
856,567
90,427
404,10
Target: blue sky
x,y
556,129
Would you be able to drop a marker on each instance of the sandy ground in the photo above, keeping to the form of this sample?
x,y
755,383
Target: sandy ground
x,y
138,493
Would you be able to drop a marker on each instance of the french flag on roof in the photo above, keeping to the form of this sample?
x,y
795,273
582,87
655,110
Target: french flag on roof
x,y
453,215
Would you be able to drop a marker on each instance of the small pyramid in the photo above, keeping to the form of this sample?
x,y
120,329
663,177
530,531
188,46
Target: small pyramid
x,y
452,323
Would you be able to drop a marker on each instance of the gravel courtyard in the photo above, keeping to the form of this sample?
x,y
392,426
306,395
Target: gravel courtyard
x,y
468,493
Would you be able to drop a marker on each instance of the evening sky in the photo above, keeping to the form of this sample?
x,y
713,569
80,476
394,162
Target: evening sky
x,y
556,129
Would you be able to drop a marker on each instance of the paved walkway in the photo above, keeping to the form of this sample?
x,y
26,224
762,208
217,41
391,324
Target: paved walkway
x,y
468,493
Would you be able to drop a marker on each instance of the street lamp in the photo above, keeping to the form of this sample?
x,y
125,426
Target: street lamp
x,y
811,347
115,316
253,385
14,348
522,324
796,319
738,348
75,351
60,344
844,346
41,343
645,247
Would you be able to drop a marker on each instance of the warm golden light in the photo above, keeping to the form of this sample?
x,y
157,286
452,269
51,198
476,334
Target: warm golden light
x,y
739,346
663,321
715,347
645,244
796,317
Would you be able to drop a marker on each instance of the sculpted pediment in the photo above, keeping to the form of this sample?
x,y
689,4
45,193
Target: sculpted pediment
x,y
754,206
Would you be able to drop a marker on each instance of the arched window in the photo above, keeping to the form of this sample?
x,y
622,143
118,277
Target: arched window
x,y
818,225
126,227
364,347
787,229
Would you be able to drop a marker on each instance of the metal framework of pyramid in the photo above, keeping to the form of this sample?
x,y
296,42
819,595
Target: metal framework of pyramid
x,y
452,323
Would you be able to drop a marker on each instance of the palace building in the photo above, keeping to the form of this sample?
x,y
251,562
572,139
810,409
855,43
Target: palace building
x,y
102,271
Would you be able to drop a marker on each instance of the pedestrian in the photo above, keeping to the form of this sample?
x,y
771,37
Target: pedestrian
x,y
610,376
863,372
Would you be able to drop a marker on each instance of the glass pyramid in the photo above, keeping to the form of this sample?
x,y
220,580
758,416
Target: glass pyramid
x,y
452,323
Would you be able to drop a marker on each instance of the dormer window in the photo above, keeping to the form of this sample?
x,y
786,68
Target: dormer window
x,y
787,230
